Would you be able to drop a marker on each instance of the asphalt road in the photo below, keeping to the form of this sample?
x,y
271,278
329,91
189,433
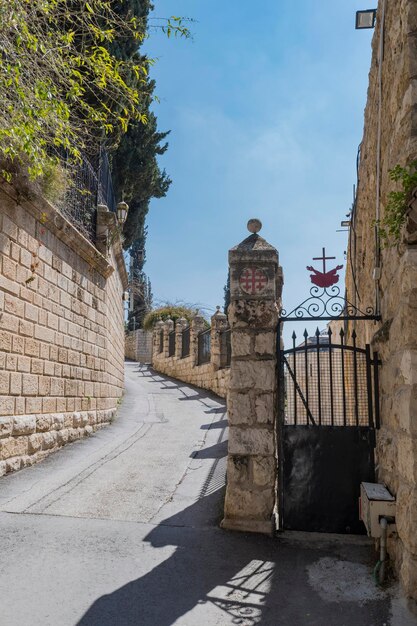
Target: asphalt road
x,y
121,529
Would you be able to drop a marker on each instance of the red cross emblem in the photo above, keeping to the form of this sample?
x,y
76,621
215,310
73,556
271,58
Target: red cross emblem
x,y
253,281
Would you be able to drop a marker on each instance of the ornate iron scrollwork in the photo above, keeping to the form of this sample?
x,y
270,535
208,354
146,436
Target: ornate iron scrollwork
x,y
326,303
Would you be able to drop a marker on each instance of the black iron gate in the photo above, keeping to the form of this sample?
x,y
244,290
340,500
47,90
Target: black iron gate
x,y
328,414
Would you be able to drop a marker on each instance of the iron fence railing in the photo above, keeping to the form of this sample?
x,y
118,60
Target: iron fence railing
x,y
185,350
171,343
87,183
226,348
204,347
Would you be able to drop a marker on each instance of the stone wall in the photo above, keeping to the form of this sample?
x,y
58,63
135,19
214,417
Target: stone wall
x,y
61,331
214,375
138,345
396,336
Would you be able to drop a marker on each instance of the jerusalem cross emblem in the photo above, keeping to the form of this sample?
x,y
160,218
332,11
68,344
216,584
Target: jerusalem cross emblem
x,y
253,281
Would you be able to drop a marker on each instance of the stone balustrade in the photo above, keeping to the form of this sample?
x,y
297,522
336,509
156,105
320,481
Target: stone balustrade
x,y
185,363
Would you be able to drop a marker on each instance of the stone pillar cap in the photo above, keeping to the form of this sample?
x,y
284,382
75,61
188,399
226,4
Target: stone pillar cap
x,y
254,225
219,313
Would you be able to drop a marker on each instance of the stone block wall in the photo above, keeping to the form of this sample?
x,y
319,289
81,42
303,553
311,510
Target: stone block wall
x,y
214,376
61,331
138,345
396,336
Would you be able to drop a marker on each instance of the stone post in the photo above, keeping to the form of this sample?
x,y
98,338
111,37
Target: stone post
x,y
198,324
159,326
181,324
219,323
255,285
168,327
104,217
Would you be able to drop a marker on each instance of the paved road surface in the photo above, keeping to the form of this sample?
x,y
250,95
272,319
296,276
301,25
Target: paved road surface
x,y
122,529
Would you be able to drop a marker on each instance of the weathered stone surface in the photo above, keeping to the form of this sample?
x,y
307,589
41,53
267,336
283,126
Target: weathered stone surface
x,y
252,441
249,504
260,375
265,343
6,426
35,443
24,425
265,408
406,516
13,446
241,344
239,409
253,314
264,470
238,469
49,440
43,423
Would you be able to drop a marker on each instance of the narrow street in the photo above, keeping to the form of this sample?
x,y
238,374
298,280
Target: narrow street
x,y
123,529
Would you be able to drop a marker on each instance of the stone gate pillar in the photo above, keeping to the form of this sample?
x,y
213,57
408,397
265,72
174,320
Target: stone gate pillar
x,y
255,301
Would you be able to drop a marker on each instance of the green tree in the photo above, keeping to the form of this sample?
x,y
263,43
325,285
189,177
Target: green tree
x,y
61,83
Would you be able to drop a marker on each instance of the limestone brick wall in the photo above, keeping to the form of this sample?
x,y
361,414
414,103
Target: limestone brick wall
x,y
138,345
396,336
61,331
214,376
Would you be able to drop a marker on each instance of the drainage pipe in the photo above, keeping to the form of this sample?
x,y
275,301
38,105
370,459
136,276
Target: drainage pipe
x,y
379,571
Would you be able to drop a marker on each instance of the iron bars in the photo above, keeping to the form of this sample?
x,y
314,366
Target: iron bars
x,y
330,384
171,343
204,347
185,349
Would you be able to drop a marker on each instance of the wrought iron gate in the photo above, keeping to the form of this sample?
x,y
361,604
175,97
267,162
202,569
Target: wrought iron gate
x,y
328,413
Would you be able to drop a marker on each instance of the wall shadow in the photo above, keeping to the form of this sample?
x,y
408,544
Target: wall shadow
x,y
249,579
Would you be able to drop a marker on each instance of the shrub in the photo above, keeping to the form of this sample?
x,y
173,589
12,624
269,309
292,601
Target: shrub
x,y
168,311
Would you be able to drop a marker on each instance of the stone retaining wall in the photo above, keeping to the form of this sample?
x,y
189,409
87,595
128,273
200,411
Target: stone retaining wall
x,y
61,331
138,346
214,375
395,337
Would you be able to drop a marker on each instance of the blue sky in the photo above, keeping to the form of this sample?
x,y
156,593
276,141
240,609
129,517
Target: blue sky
x,y
265,108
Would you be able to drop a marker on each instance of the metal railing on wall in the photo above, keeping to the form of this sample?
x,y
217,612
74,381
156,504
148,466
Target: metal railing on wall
x,y
226,348
87,183
204,347
171,343
185,350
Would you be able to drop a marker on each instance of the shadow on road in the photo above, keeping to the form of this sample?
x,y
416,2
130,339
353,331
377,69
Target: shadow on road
x,y
248,579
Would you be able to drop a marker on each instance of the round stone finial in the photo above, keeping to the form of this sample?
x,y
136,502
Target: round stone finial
x,y
254,225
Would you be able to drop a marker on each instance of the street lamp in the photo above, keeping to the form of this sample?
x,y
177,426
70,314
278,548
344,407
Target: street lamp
x,y
365,19
122,209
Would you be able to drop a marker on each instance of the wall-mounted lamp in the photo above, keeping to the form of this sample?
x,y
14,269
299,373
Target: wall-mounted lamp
x,y
345,223
365,19
122,209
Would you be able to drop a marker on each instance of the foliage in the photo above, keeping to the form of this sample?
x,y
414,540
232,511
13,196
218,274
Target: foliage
x,y
395,214
169,311
62,85
136,174
226,290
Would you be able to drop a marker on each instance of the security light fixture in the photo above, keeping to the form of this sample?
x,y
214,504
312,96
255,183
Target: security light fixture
x,y
122,209
365,19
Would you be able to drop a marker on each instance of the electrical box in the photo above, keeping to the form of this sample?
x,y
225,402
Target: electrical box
x,y
376,502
